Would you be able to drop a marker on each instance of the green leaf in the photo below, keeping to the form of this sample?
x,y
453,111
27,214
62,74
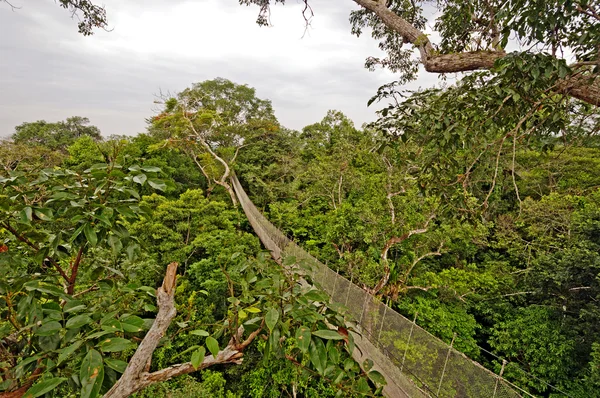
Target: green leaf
x,y
318,355
151,169
271,318
116,364
43,214
74,306
48,328
198,357
377,378
328,334
157,184
91,374
66,352
131,249
90,234
79,321
140,179
363,386
26,215
43,386
213,345
200,332
116,344
333,352
316,295
252,310
132,324
98,334
303,338
115,244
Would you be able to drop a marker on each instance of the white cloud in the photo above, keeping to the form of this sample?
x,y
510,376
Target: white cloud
x,y
111,77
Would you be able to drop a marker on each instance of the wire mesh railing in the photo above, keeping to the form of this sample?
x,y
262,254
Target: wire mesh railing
x,y
414,362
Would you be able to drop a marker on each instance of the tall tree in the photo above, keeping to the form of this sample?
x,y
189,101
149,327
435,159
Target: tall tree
x,y
57,136
211,121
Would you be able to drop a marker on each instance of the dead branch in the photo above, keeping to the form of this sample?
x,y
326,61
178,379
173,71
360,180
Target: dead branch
x,y
137,376
388,245
223,180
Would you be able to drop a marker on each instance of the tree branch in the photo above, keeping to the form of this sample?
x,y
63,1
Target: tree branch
x,y
74,269
583,87
136,375
23,239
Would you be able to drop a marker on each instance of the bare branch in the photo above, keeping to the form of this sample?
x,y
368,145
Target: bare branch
x,y
136,375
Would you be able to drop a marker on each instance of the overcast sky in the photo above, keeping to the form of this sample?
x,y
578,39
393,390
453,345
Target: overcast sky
x,y
49,71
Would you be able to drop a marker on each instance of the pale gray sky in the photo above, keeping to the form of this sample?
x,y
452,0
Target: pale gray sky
x,y
49,71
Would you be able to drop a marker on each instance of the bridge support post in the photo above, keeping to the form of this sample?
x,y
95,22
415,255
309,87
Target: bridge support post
x,y
499,377
412,327
445,364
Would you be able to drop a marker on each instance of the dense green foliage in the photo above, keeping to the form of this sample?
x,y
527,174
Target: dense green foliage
x,y
498,251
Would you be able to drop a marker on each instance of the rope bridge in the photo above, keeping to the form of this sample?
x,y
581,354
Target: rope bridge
x,y
414,362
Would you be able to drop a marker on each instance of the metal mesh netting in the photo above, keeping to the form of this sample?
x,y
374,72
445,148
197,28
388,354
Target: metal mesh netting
x,y
414,362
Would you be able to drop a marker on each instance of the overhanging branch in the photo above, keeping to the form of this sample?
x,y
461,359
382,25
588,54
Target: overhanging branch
x,y
583,86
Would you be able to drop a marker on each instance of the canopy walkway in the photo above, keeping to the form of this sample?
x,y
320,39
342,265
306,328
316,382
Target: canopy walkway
x,y
414,362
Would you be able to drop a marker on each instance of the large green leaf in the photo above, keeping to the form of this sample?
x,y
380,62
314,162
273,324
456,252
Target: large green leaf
x,y
74,306
132,324
213,345
43,386
115,244
198,357
66,352
140,179
151,169
26,215
316,295
200,332
79,321
48,328
328,334
377,378
303,338
115,344
318,355
116,364
90,234
91,374
271,318
157,184
44,214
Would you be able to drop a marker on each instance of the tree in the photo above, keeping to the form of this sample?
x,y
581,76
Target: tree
x,y
56,226
23,157
474,36
89,15
71,316
56,136
211,122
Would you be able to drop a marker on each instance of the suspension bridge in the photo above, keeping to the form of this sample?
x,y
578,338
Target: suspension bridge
x,y
414,362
